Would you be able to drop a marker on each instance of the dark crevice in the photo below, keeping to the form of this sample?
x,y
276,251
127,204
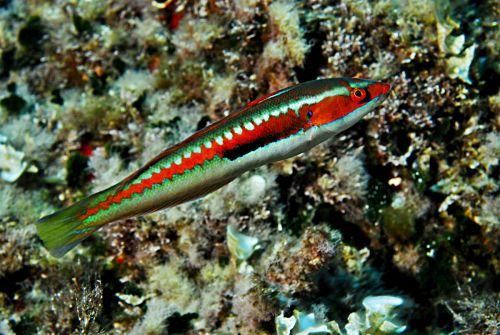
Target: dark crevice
x,y
314,60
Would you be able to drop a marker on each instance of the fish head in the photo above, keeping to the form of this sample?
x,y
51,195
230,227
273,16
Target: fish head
x,y
339,103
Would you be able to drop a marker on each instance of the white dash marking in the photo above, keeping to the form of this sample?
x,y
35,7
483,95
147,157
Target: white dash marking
x,y
249,126
265,117
208,144
197,149
228,135
219,140
187,154
238,130
178,160
257,120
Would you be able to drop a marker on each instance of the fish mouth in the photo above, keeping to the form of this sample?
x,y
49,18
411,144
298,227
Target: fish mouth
x,y
379,90
386,90
386,87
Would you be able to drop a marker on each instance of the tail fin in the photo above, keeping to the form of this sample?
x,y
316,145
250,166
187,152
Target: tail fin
x,y
63,230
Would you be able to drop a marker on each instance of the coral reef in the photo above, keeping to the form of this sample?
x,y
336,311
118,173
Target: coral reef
x,y
392,227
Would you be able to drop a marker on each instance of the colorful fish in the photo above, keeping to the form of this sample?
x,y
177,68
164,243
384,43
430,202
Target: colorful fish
x,y
272,128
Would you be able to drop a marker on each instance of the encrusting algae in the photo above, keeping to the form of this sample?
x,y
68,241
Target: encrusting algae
x,y
390,227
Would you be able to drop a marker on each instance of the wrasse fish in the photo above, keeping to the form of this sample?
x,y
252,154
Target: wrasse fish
x,y
271,128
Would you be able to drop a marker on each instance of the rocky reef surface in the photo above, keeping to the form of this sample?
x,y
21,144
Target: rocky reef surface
x,y
392,227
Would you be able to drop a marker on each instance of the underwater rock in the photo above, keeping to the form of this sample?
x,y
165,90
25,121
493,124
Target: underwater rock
x,y
399,218
131,299
378,317
448,43
382,304
307,324
301,323
241,246
5,328
153,321
295,265
284,325
459,66
12,163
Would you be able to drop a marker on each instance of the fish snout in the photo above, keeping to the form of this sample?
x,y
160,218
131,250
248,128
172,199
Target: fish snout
x,y
379,90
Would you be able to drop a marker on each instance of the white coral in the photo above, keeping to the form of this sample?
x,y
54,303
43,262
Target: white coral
x,y
12,164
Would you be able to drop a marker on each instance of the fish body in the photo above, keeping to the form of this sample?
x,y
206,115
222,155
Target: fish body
x,y
269,129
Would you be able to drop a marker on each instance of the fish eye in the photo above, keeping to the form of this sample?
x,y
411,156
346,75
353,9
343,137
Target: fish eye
x,y
309,114
358,94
